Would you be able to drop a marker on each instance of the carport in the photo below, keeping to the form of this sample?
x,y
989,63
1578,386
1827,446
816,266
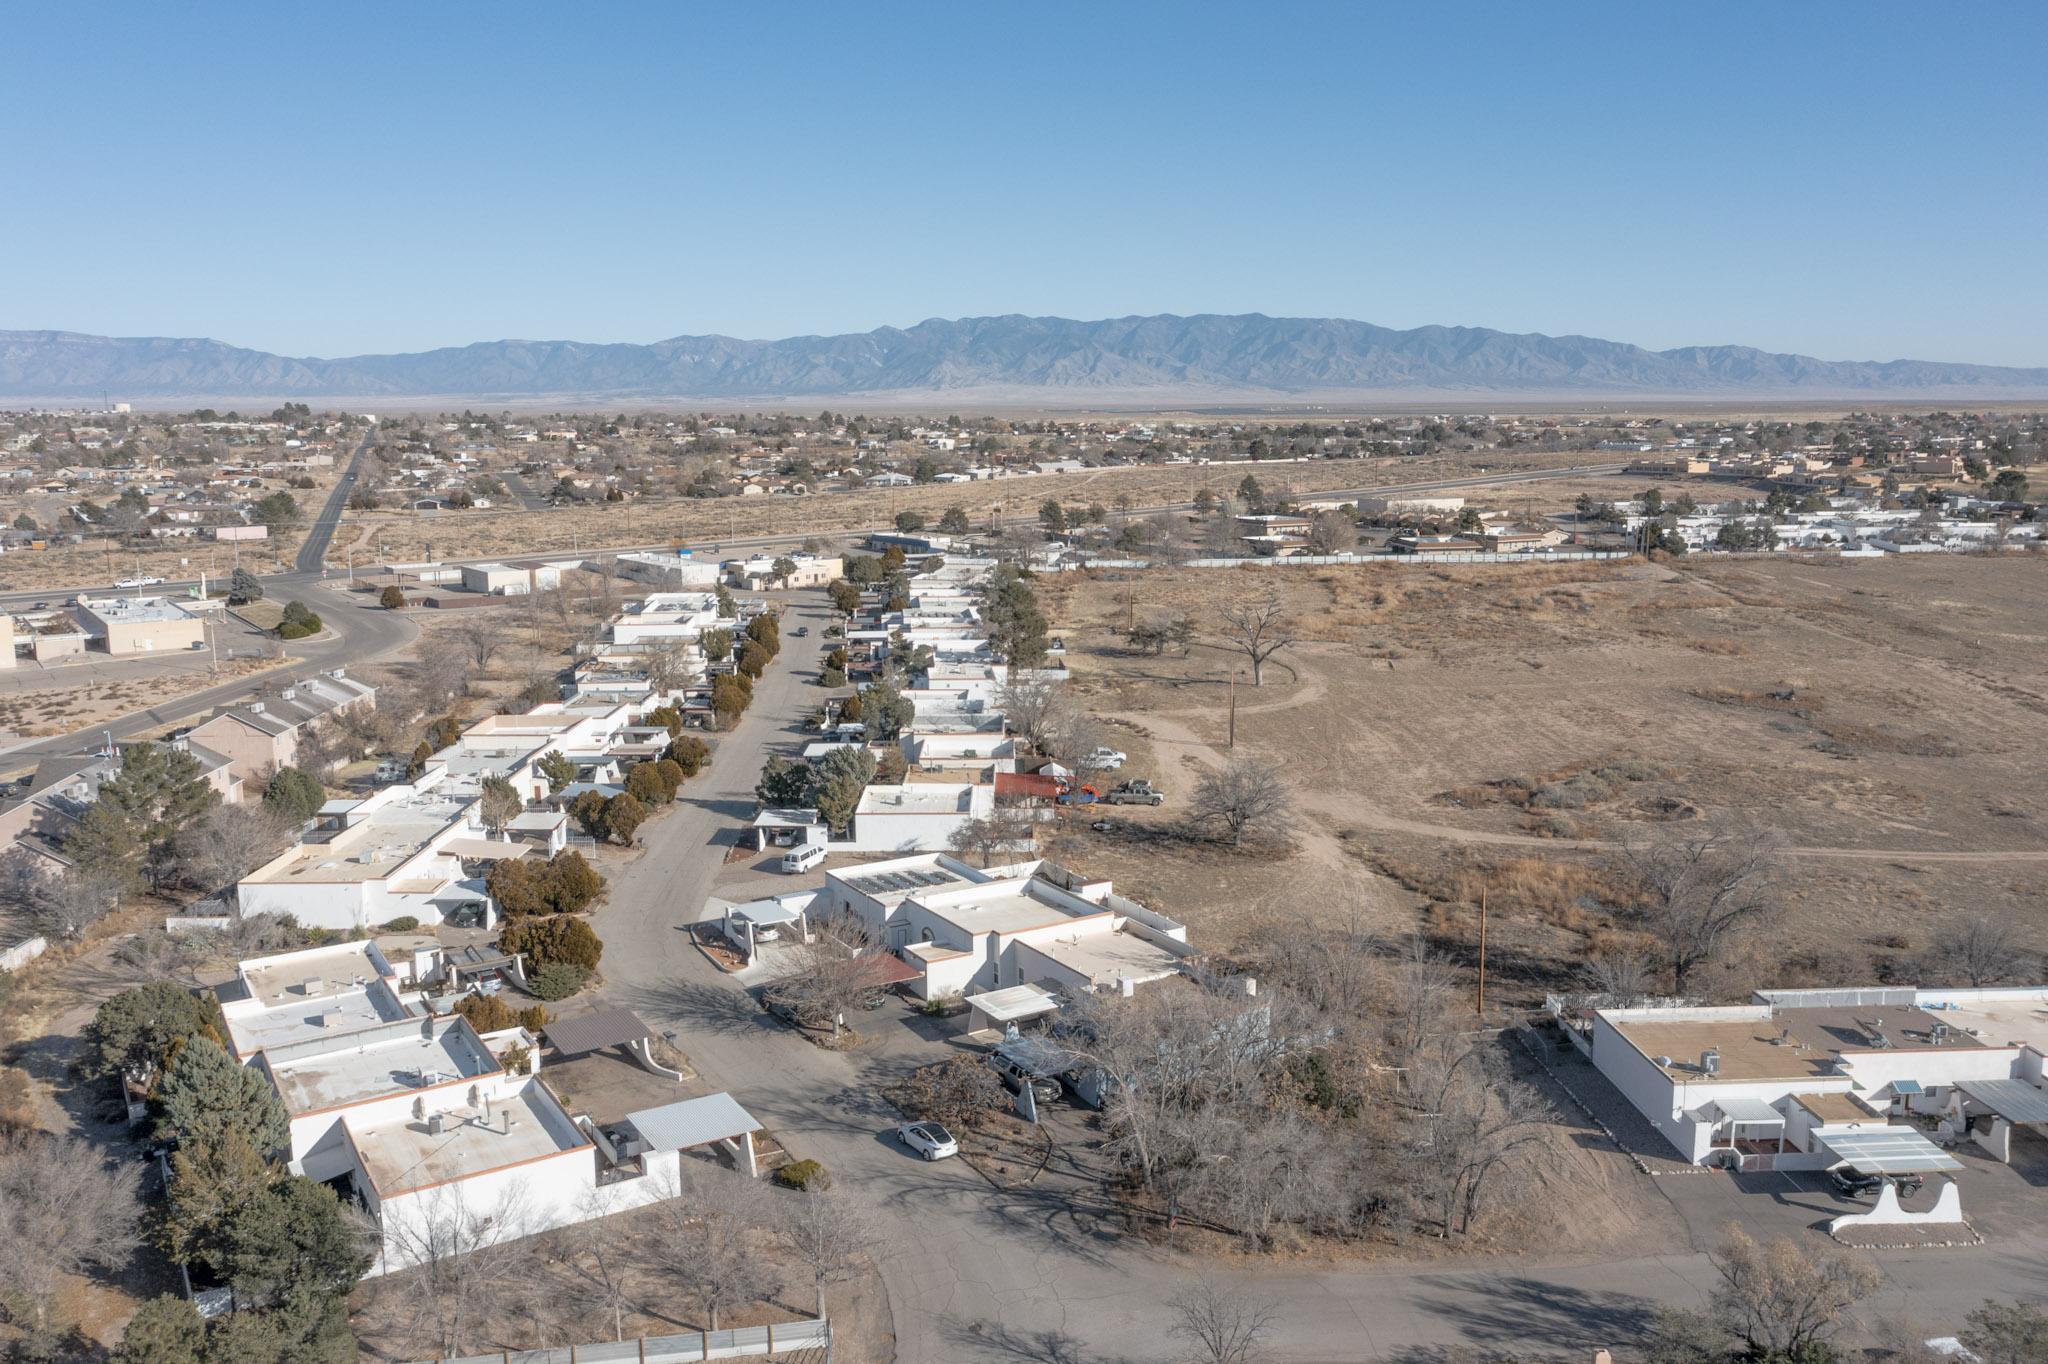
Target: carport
x,y
713,1120
573,1037
749,925
2011,1103
1885,1151
1009,1006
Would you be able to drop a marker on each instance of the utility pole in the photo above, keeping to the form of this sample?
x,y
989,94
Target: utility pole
x,y
1232,744
1482,951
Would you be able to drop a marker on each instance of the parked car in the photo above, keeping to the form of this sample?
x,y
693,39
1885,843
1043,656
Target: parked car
x,y
928,1139
803,632
1135,792
1107,759
1851,1182
1079,795
42,606
1015,1077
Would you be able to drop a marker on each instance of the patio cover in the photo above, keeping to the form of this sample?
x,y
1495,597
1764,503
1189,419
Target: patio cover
x,y
2014,1100
1014,1003
766,913
482,849
693,1122
1747,1111
1886,1151
595,1032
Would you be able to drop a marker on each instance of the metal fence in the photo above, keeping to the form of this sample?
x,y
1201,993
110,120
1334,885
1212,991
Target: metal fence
x,y
743,1342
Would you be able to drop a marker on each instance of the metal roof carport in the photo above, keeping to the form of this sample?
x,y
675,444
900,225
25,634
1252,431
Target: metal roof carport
x,y
1886,1151
711,1120
2016,1101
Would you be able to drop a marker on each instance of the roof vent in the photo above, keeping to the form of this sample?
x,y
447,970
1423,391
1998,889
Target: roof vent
x,y
1710,1061
435,1125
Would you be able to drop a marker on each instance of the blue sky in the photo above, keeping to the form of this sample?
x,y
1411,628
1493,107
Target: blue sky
x,y
1863,182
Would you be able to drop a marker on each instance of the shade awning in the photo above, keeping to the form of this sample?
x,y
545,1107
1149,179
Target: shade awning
x,y
1904,1087
692,1122
2014,1100
482,849
766,913
1015,1002
1886,1151
595,1032
1747,1111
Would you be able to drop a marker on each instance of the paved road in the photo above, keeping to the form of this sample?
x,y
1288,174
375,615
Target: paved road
x,y
975,1275
357,632
313,553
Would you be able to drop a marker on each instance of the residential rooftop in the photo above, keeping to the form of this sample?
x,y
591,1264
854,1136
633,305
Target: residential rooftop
x,y
404,1155
1106,958
1007,907
133,610
369,850
1780,1044
394,1058
939,798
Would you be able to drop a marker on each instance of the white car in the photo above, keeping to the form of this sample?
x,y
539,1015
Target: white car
x,y
928,1139
138,582
1107,759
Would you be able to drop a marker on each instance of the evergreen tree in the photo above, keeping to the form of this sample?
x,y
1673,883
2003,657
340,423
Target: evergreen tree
x,y
164,1330
207,1098
294,1244
294,794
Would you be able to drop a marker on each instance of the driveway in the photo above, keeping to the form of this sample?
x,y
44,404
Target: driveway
x,y
1045,1273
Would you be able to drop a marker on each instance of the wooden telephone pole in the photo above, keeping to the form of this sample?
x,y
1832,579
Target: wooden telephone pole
x,y
1482,952
1232,744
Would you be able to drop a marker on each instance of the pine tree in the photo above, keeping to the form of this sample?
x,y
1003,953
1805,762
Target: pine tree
x,y
208,1098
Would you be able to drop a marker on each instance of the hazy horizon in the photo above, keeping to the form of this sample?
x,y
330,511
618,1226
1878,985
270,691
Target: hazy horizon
x,y
388,180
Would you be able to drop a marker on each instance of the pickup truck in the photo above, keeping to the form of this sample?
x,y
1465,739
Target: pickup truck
x,y
1138,792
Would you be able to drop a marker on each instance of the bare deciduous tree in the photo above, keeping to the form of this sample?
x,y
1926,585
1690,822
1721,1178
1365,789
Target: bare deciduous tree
x,y
1779,1300
1981,951
1692,890
228,842
827,1235
465,1263
706,1241
1257,628
1034,709
63,1209
987,839
600,1258
1625,975
1245,795
1468,1119
481,637
59,906
668,665
1218,1324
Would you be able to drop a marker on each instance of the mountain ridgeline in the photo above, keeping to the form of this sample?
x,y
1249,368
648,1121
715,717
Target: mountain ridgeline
x,y
1164,359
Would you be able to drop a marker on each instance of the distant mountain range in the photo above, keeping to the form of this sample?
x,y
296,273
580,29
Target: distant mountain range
x,y
1164,360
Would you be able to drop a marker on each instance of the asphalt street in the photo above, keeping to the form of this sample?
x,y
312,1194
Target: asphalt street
x,y
1042,1275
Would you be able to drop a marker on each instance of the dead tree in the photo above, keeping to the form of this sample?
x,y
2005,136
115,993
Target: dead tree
x,y
1243,796
1693,891
1258,629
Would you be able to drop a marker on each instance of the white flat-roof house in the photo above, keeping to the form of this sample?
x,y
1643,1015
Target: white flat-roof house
x,y
669,572
419,1118
408,850
666,616
969,930
1789,1080
757,574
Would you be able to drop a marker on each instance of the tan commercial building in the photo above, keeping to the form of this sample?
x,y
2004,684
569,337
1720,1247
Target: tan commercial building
x,y
140,625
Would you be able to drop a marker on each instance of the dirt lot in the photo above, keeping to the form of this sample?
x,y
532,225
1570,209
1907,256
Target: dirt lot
x,y
1448,728
401,536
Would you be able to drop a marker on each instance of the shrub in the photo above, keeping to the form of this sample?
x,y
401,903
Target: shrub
x,y
643,783
804,1174
299,621
831,677
623,816
557,980
404,923
561,938
486,1013
391,599
533,1018
576,884
689,753
671,773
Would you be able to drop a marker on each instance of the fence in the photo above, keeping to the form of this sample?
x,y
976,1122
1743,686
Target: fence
x,y
22,953
741,1343
1333,560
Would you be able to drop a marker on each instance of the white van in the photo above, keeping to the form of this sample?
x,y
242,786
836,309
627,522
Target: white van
x,y
799,860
